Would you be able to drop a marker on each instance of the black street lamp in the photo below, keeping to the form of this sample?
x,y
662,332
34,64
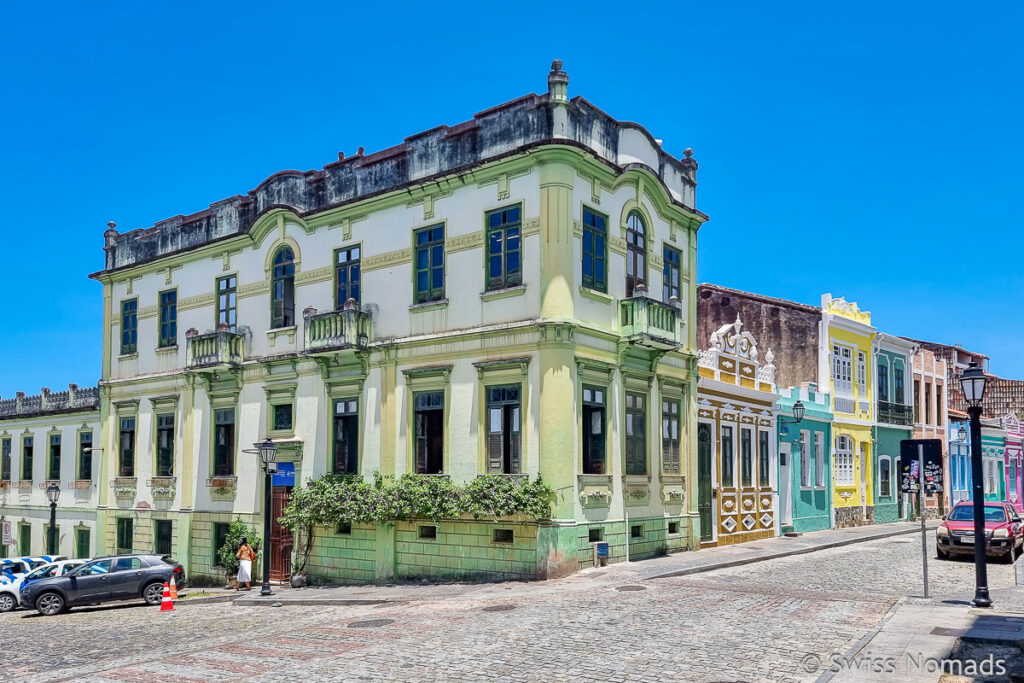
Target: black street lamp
x,y
972,381
52,494
268,454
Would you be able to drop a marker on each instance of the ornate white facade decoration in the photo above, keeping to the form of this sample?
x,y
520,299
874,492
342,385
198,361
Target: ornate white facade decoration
x,y
732,348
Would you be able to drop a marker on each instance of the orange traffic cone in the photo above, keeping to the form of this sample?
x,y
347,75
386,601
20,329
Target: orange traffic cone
x,y
174,590
166,605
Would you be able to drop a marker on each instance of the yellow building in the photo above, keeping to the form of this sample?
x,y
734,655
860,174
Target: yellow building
x,y
844,366
737,473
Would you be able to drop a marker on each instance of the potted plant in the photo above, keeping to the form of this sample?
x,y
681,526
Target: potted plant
x,y
236,531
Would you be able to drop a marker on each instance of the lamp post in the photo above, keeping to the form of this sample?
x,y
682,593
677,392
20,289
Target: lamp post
x,y
52,494
268,454
972,381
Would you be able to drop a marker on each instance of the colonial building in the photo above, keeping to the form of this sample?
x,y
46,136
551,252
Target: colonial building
x,y
1012,469
737,471
48,439
511,295
930,420
993,461
805,460
959,469
894,423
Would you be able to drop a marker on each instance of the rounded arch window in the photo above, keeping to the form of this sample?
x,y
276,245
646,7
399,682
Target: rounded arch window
x,y
636,253
282,288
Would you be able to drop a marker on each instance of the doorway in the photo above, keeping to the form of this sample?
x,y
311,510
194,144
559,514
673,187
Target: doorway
x,y
280,536
785,485
704,481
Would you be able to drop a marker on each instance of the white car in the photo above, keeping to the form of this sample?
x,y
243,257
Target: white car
x,y
17,567
10,587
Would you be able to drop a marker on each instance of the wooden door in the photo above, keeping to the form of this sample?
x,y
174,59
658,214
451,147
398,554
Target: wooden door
x,y
704,480
280,537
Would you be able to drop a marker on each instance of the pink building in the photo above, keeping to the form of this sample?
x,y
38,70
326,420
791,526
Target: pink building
x,y
1012,470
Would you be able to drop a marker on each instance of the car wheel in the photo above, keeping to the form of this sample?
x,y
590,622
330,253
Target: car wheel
x,y
153,593
7,602
941,555
49,604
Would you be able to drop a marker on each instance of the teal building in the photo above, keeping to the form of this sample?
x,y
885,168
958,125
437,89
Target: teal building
x,y
894,422
805,460
993,451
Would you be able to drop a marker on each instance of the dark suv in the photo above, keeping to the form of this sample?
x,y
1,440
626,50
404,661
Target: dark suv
x,y
104,579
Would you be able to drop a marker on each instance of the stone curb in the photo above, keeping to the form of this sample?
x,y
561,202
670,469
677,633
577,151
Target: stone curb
x,y
784,553
206,600
327,602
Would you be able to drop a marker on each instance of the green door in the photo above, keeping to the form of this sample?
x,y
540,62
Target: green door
x,y
704,480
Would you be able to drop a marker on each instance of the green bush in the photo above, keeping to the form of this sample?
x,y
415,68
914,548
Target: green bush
x,y
236,530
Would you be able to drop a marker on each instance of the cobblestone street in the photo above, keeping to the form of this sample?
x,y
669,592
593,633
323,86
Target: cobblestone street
x,y
748,623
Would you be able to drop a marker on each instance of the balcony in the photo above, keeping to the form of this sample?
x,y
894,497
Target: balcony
x,y
650,323
336,330
215,349
895,414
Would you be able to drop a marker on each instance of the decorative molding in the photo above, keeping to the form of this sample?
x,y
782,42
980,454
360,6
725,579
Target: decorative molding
x,y
253,289
388,259
198,301
473,240
307,277
531,226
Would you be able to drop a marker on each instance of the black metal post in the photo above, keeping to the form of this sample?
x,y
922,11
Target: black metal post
x,y
265,590
51,534
981,598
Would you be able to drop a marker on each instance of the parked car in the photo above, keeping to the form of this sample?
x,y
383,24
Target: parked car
x,y
17,567
10,589
1004,531
104,579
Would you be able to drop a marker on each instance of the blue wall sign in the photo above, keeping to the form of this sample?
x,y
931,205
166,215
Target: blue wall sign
x,y
285,475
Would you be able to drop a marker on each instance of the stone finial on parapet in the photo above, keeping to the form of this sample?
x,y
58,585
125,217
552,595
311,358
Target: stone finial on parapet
x,y
689,163
191,332
558,82
110,234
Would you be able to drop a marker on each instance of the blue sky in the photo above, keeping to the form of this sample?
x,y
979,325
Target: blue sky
x,y
869,150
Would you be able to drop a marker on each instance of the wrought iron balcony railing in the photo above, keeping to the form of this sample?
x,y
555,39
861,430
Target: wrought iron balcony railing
x,y
645,319
216,348
895,413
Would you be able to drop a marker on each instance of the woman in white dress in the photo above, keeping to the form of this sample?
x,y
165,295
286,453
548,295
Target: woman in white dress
x,y
246,555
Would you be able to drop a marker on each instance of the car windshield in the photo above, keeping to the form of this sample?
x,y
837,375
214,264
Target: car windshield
x,y
48,570
965,513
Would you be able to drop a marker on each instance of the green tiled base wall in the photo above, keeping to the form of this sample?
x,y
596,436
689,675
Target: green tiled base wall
x,y
467,550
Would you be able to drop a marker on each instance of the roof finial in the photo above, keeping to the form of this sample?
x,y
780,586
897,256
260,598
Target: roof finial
x,y
558,82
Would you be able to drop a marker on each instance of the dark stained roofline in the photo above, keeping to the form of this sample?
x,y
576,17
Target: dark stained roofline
x,y
762,297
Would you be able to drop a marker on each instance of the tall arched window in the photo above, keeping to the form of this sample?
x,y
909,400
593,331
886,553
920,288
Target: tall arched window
x,y
636,253
282,289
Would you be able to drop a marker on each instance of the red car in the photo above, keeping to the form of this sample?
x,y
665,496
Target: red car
x,y
1003,530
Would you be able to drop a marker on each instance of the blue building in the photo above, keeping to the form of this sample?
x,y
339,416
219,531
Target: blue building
x,y
959,465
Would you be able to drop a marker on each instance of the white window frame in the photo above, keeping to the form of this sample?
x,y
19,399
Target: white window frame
x,y
803,444
842,369
732,456
819,460
844,461
887,459
862,374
